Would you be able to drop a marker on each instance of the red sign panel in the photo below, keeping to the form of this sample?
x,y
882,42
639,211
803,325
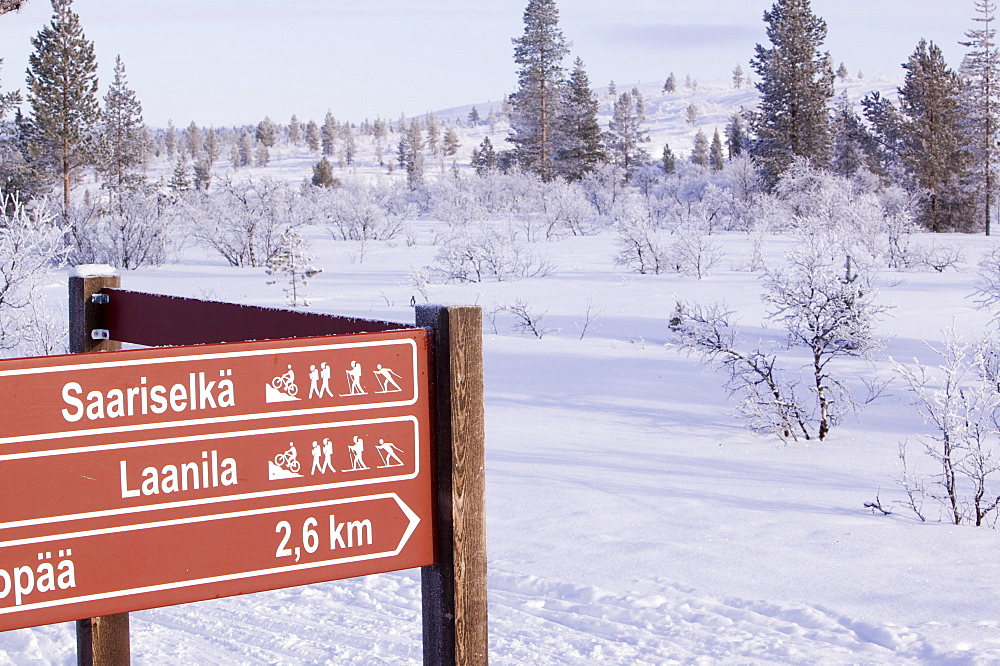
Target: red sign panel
x,y
144,478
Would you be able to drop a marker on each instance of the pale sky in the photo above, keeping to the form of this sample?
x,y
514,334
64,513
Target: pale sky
x,y
227,62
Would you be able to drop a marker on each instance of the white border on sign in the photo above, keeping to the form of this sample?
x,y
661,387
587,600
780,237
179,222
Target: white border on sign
x,y
414,520
223,498
220,419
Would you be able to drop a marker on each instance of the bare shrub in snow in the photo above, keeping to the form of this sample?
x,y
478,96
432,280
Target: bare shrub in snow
x,y
590,317
563,209
640,245
987,284
356,212
603,187
526,319
457,201
960,401
828,310
487,252
243,220
768,400
692,251
133,232
31,246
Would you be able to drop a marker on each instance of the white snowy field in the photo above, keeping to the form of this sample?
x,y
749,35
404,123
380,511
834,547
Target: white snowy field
x,y
632,518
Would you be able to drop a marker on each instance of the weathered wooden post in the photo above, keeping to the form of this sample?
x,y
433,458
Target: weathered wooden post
x,y
100,641
454,589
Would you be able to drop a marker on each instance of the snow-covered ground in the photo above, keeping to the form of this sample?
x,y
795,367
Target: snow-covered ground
x,y
632,518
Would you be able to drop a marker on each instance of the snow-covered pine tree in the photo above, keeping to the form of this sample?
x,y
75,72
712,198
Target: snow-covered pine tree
x,y
484,158
668,162
583,148
348,144
179,180
474,117
123,148
738,76
312,136
842,73
323,174
433,133
246,148
627,134
691,113
981,110
267,133
62,92
931,142
670,85
170,141
262,155
850,139
328,135
451,142
193,140
212,146
294,130
736,135
380,134
699,153
796,83
715,158
293,261
535,105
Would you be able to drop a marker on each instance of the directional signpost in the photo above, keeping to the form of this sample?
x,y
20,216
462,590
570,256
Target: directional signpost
x,y
159,476
210,471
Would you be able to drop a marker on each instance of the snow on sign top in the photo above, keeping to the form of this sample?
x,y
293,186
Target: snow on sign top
x,y
210,471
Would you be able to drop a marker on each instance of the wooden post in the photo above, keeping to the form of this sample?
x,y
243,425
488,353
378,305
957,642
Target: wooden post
x,y
454,589
100,641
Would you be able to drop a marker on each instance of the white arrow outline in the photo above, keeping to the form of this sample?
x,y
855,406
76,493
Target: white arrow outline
x,y
407,511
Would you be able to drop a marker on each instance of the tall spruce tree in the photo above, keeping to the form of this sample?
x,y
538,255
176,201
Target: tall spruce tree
x,y
62,92
536,104
981,107
796,82
123,138
668,162
931,140
583,147
267,132
715,158
627,134
736,135
312,135
699,153
328,134
193,140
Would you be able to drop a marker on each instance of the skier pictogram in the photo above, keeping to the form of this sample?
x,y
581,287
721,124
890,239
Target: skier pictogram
x,y
387,451
386,383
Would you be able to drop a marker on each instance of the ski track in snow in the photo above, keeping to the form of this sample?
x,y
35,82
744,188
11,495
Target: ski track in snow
x,y
376,620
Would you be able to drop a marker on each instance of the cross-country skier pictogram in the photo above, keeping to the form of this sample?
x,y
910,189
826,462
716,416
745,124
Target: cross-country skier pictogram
x,y
385,379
